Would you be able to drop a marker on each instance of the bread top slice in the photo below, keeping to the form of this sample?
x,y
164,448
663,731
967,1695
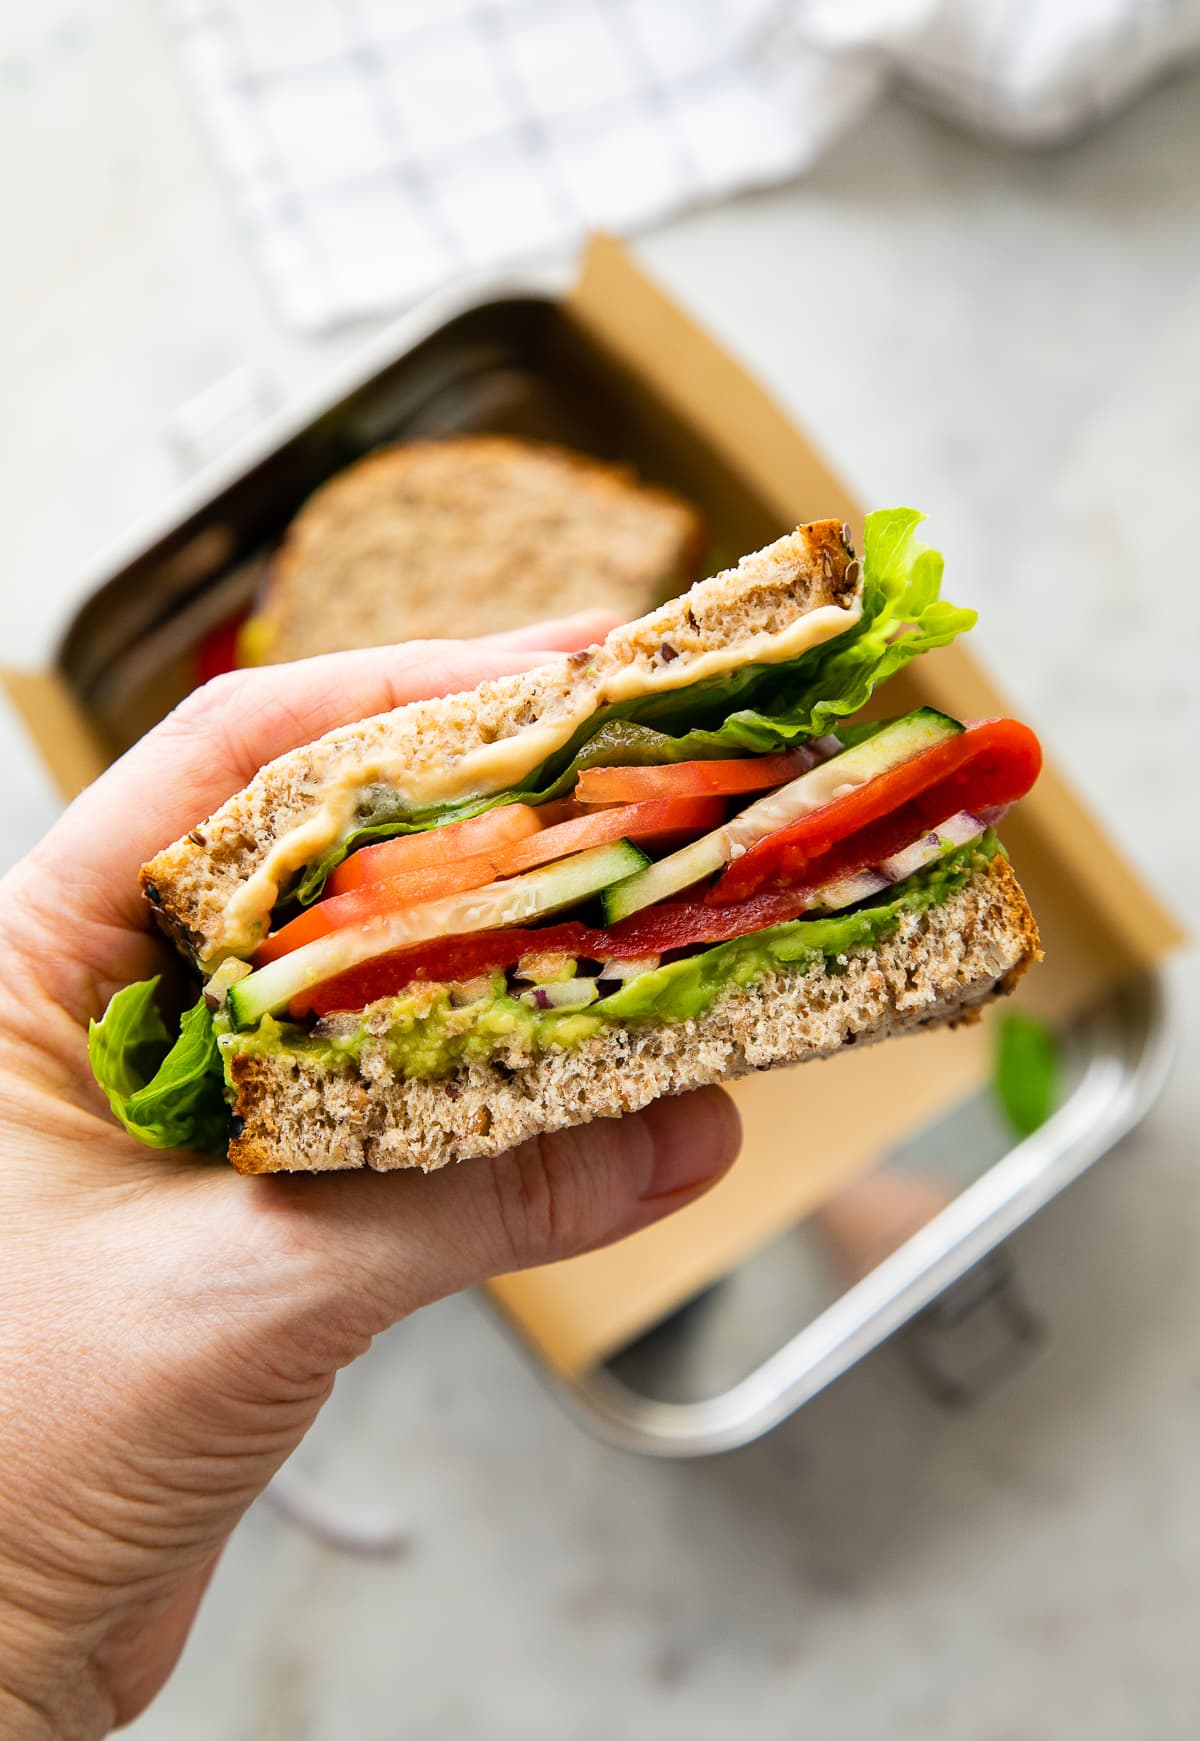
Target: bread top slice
x,y
214,889
527,530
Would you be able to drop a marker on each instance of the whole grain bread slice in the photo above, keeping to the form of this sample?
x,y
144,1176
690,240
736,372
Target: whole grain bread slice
x,y
296,1113
214,889
523,529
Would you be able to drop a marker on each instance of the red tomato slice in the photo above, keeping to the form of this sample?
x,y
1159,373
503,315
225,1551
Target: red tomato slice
x,y
435,847
689,779
659,819
370,900
559,810
993,762
644,822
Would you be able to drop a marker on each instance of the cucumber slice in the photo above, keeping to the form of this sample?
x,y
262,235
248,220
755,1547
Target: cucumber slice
x,y
888,748
658,882
512,902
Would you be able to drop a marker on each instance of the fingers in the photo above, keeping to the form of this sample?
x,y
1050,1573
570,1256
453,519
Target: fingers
x,y
563,634
219,737
378,1247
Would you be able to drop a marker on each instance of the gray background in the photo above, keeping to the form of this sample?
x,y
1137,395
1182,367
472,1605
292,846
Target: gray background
x,y
1012,342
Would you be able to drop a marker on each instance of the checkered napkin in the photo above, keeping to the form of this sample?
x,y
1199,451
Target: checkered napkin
x,y
377,149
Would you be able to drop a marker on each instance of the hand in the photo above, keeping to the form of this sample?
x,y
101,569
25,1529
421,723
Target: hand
x,y
168,1328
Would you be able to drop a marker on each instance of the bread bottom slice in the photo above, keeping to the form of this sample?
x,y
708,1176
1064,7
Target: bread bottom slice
x,y
300,1114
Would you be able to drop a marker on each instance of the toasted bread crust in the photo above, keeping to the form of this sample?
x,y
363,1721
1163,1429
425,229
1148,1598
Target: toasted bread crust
x,y
191,882
298,1114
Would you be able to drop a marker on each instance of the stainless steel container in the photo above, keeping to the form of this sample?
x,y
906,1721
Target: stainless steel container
x,y
736,1362
766,1337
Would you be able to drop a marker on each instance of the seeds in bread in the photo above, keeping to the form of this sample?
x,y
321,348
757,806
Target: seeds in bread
x,y
215,895
414,540
298,1114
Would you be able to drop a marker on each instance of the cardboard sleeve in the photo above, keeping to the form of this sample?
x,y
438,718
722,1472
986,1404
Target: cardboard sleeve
x,y
809,1130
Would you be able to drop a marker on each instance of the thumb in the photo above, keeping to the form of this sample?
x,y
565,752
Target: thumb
x,y
384,1246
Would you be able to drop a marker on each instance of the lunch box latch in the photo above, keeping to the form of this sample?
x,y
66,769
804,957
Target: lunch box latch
x,y
216,420
974,1336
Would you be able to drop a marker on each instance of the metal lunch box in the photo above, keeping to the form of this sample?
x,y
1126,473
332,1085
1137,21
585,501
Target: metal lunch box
x,y
763,1338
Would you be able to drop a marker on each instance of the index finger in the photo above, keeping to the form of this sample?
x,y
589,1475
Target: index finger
x,y
220,736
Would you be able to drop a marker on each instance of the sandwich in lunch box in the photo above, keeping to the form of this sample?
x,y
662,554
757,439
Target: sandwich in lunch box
x,y
659,862
527,529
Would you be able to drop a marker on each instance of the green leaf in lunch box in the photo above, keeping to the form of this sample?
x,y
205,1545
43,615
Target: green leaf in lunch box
x,y
1026,1071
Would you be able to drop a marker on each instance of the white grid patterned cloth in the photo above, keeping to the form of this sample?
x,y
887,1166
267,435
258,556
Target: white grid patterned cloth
x,y
379,148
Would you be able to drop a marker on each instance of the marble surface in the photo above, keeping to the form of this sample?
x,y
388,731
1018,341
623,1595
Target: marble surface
x,y
1011,341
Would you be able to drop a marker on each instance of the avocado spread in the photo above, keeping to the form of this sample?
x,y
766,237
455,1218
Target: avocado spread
x,y
429,1029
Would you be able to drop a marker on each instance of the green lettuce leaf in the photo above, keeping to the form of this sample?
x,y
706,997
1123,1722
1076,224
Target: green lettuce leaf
x,y
757,710
167,1095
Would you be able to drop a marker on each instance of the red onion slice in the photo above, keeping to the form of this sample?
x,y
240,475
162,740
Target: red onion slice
x,y
955,831
848,891
825,747
566,994
631,969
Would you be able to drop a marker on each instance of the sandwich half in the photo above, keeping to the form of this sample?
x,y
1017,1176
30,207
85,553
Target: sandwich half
x,y
659,862
527,530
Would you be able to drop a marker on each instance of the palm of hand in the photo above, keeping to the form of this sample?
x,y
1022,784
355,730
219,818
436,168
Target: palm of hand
x,y
172,1327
